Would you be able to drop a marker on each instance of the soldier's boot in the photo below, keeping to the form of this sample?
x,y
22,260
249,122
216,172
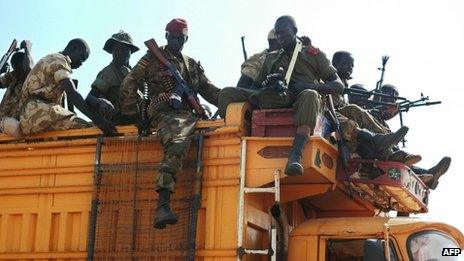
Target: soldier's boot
x,y
436,171
378,146
404,157
423,174
294,166
164,216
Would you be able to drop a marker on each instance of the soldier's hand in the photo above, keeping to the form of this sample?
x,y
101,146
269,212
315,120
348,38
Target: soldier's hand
x,y
105,108
305,40
335,88
5,68
106,126
26,45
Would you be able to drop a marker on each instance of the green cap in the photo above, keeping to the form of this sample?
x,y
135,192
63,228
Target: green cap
x,y
120,37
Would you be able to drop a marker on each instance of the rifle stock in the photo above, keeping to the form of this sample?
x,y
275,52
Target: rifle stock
x,y
181,90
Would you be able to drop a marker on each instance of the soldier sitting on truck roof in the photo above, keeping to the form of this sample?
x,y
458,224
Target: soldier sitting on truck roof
x,y
252,66
13,82
174,126
44,87
386,112
343,61
104,94
303,93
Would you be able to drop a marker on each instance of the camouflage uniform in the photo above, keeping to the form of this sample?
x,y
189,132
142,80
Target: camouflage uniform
x,y
108,82
311,66
252,66
174,126
41,97
353,117
9,107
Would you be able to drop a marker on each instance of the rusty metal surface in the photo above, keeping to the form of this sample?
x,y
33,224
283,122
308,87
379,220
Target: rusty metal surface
x,y
127,201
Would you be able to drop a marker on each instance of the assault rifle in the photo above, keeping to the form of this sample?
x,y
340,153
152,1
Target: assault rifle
x,y
340,142
181,91
9,52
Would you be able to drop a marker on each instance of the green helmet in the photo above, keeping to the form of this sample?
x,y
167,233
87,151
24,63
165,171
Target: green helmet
x,y
121,37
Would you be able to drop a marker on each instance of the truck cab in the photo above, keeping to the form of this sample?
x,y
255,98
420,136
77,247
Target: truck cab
x,y
364,239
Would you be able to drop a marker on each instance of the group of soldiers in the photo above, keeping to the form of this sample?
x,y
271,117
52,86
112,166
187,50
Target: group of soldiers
x,y
33,100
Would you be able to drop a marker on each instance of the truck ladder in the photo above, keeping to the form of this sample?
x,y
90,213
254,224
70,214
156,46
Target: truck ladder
x,y
241,209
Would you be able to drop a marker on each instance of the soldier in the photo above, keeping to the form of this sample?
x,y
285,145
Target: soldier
x,y
13,82
107,84
44,88
429,176
342,61
252,66
360,100
174,126
310,68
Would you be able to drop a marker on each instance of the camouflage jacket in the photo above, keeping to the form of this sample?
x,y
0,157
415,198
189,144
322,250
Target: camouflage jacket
x,y
108,83
9,107
160,83
252,66
42,81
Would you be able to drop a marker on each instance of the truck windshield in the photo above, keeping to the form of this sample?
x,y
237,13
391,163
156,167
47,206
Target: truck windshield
x,y
433,245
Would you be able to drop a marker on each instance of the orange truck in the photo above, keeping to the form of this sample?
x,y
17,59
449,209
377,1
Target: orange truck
x,y
73,195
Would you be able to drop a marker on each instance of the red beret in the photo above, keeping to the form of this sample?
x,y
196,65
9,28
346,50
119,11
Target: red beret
x,y
177,26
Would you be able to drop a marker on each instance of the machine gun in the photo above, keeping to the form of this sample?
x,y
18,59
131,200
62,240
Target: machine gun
x,y
404,106
382,69
9,52
181,91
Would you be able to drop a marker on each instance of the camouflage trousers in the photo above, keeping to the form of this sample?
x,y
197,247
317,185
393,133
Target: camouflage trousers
x,y
353,117
307,104
38,116
174,129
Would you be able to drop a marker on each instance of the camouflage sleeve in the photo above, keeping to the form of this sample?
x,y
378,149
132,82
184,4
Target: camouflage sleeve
x,y
133,82
324,67
6,79
252,66
100,84
206,89
59,68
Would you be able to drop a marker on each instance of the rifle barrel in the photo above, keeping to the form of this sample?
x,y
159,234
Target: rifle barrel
x,y
353,91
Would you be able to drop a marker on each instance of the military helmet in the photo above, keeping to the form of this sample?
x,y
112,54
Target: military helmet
x,y
121,37
389,89
271,35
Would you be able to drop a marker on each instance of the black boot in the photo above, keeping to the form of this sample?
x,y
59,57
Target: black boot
x,y
294,166
164,215
378,146
437,171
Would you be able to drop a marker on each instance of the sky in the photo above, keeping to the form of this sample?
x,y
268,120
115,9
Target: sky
x,y
424,39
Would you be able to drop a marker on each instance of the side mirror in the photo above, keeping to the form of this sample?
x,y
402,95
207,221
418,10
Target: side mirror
x,y
374,250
